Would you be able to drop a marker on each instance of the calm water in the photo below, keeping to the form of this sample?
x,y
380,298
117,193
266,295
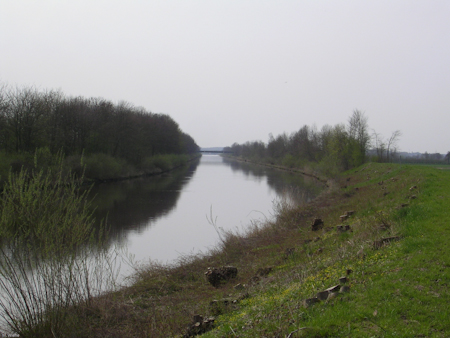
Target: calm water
x,y
162,218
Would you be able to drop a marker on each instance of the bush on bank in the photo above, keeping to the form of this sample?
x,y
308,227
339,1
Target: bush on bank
x,y
92,167
52,261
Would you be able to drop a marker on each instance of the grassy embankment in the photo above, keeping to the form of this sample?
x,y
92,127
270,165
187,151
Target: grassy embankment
x,y
398,288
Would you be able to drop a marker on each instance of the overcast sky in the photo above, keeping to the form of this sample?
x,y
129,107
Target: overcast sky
x,y
236,70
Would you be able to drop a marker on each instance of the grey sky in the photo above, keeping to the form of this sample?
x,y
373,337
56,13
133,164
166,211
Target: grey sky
x,y
233,71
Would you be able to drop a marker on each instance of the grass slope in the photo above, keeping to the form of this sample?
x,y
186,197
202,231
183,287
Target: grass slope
x,y
398,288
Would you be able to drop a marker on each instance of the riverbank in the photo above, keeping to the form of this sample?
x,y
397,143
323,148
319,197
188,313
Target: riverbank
x,y
385,228
304,172
93,168
159,165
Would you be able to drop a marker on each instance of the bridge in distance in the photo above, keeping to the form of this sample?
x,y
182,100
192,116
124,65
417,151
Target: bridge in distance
x,y
205,151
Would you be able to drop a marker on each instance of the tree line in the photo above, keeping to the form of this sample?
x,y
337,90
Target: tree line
x,y
31,119
329,150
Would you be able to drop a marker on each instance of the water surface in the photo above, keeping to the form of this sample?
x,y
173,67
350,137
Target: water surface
x,y
162,218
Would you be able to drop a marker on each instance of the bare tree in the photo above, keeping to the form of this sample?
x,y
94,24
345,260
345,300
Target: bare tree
x,y
358,131
380,145
392,144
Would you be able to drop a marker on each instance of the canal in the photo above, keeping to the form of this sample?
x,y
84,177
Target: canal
x,y
162,218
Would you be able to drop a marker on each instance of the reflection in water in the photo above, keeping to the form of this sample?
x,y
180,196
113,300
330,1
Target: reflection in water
x,y
134,204
163,218
290,187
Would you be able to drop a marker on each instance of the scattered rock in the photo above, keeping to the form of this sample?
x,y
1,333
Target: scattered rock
x,y
264,272
378,244
412,197
343,280
384,227
289,252
329,293
343,228
323,295
217,276
218,307
310,301
199,325
317,224
380,183
413,187
260,273
344,289
254,280
343,217
239,287
403,205
332,295
335,288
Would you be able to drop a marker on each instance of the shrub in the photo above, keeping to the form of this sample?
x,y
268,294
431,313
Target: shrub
x,y
102,166
160,163
47,268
